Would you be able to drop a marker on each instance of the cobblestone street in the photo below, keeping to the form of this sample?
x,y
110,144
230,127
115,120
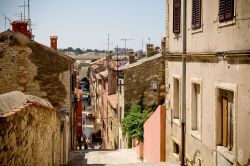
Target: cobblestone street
x,y
121,157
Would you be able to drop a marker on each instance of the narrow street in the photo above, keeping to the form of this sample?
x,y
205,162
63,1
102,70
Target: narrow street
x,y
121,157
92,155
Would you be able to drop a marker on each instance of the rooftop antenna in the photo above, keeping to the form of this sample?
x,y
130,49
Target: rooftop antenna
x,y
142,45
108,42
125,41
24,7
19,15
5,19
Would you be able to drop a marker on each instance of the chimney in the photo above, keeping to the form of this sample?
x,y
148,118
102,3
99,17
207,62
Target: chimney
x,y
21,26
163,46
131,57
53,42
108,59
150,50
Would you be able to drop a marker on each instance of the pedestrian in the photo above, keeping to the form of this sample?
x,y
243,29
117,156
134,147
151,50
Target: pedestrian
x,y
79,142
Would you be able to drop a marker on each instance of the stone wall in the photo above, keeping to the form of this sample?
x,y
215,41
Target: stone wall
x,y
137,81
34,69
29,134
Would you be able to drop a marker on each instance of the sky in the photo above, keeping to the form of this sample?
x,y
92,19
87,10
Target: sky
x,y
87,23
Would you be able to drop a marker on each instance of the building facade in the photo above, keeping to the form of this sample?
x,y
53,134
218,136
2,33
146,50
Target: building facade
x,y
208,61
103,86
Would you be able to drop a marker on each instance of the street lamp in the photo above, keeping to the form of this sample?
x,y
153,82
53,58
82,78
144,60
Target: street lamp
x,y
154,85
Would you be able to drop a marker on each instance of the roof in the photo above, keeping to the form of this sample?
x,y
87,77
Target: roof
x,y
95,66
141,61
98,77
98,62
112,99
78,93
104,73
16,99
23,40
113,64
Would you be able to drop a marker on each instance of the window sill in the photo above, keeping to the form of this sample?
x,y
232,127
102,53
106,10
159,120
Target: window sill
x,y
225,153
177,122
199,30
196,134
177,35
226,23
176,156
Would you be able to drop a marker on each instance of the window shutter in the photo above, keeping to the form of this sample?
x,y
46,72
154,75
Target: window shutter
x,y
196,14
176,15
226,10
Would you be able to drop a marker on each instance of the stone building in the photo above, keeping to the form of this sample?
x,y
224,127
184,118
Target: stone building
x,y
31,131
142,79
35,69
208,117
113,125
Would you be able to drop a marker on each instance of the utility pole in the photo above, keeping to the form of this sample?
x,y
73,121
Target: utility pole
x,y
29,16
5,19
125,41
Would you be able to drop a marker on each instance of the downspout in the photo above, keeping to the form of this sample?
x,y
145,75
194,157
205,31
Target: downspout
x,y
71,110
183,101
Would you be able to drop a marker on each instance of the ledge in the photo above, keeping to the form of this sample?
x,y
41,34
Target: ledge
x,y
196,134
225,153
177,122
212,56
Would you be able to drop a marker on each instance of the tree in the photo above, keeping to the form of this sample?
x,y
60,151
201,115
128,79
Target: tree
x,y
70,49
78,51
132,124
89,50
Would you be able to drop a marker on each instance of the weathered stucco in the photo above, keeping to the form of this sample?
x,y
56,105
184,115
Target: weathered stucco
x,y
154,136
30,134
229,74
213,36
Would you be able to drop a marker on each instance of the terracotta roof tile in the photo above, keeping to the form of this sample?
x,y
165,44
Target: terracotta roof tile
x,y
112,99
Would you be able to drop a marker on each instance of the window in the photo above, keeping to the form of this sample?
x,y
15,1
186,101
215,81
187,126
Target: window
x,y
196,14
176,102
196,107
120,114
176,150
120,86
225,119
176,15
111,125
226,10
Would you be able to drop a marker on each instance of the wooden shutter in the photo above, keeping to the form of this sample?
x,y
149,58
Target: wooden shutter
x,y
176,15
226,10
196,14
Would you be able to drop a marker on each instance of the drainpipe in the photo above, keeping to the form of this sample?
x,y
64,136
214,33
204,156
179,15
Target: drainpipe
x,y
71,109
183,103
